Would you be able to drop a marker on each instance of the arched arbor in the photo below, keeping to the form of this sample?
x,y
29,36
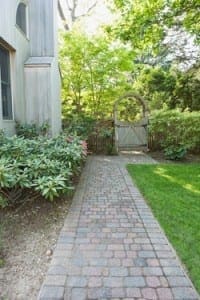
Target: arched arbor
x,y
131,135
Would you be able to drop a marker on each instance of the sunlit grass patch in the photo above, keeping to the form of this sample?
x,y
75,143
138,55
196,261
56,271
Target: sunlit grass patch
x,y
173,193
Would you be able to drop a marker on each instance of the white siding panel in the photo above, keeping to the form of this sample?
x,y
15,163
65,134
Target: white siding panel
x,y
38,95
18,84
41,18
56,101
7,21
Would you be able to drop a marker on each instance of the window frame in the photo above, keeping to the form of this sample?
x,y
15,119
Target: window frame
x,y
26,32
10,116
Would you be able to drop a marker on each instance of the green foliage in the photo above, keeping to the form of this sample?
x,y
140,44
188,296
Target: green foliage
x,y
94,74
3,203
30,131
169,87
141,23
175,131
40,166
151,27
50,186
129,110
187,11
106,132
111,149
144,23
187,91
80,125
2,263
175,152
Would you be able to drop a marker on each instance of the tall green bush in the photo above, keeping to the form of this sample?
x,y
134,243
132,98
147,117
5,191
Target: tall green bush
x,y
79,124
173,130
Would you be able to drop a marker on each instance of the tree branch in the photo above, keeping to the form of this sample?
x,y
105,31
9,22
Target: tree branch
x,y
62,16
72,7
91,7
68,5
88,10
73,11
61,13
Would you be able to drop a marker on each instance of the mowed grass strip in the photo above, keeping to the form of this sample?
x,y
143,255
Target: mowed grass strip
x,y
173,193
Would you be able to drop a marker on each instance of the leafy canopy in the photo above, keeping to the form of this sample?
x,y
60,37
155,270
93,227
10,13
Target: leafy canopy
x,y
146,23
94,74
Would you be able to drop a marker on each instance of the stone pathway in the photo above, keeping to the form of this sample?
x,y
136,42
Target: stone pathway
x,y
111,246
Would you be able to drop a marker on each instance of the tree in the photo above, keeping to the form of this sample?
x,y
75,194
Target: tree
x,y
187,91
169,87
94,74
166,43
186,13
151,25
71,11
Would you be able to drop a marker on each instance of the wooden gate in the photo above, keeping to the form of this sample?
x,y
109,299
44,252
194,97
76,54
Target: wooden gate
x,y
129,136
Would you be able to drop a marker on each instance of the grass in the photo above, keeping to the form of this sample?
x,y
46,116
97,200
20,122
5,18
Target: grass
x,y
173,193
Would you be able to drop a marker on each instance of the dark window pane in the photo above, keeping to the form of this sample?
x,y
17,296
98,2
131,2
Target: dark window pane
x,y
21,17
5,84
4,62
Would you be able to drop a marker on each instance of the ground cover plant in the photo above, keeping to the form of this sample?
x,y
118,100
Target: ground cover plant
x,y
173,193
42,166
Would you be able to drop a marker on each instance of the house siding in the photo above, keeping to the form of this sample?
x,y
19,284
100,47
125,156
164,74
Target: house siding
x,y
42,38
35,96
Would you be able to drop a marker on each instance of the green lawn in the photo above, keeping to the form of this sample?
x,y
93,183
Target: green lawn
x,y
173,193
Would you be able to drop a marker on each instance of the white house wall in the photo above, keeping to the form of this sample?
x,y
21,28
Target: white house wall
x,y
43,50
41,74
56,107
38,104
35,90
7,20
19,98
42,37
18,44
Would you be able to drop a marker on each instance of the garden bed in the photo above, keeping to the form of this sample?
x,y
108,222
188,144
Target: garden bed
x,y
37,180
28,233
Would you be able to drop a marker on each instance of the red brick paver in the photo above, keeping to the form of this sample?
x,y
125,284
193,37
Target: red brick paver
x,y
111,246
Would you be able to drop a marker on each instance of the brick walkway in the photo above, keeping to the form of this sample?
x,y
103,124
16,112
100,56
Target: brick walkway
x,y
111,246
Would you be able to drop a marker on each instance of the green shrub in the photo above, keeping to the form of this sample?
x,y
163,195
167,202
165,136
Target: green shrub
x,y
30,131
40,166
80,125
175,152
175,131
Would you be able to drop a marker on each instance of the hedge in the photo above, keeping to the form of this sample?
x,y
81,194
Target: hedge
x,y
173,128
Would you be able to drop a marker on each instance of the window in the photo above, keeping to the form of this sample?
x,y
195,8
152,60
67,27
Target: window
x,y
5,84
21,17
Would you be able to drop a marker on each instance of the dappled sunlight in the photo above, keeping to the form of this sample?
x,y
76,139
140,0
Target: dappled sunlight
x,y
106,159
132,152
191,188
162,172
